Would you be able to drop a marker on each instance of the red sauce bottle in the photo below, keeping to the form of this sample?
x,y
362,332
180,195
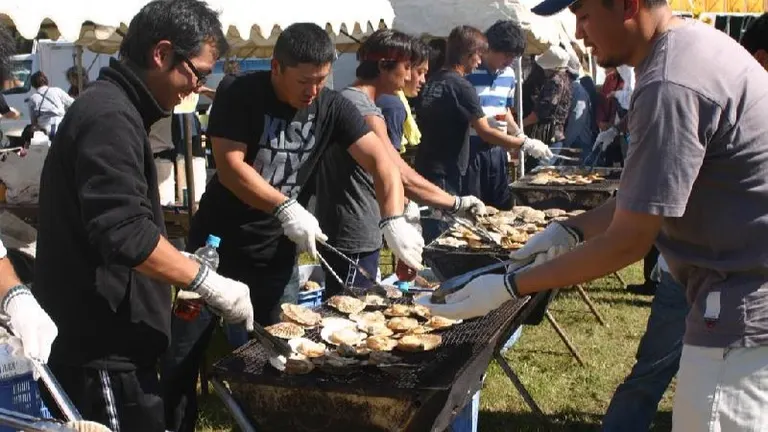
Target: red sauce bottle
x,y
404,273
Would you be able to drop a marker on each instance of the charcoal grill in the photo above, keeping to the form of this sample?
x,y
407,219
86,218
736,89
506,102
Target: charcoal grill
x,y
424,396
567,197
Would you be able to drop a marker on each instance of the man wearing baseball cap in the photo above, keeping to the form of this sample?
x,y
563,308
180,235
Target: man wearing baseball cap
x,y
695,183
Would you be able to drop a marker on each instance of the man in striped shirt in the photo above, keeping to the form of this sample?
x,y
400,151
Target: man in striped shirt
x,y
487,175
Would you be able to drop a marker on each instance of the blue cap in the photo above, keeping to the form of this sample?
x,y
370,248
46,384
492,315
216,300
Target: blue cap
x,y
212,240
551,7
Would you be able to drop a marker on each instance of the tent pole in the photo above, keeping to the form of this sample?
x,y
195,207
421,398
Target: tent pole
x,y
188,167
79,66
519,108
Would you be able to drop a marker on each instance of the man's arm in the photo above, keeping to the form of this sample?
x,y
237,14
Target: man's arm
x,y
416,187
370,153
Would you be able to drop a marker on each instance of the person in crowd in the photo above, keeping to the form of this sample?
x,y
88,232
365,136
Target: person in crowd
x,y
47,105
546,122
699,140
494,81
7,49
18,308
269,131
74,80
346,201
104,266
636,400
449,106
580,127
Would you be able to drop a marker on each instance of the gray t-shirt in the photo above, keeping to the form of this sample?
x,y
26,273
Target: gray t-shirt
x,y
346,199
698,155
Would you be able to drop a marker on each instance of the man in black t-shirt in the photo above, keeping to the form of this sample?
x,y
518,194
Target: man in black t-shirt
x,y
269,129
449,106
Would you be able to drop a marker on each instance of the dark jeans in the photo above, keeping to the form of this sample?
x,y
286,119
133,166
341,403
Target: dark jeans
x,y
487,176
451,183
658,357
270,287
649,262
125,401
348,273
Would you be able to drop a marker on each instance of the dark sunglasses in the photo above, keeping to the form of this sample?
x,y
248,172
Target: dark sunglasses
x,y
201,77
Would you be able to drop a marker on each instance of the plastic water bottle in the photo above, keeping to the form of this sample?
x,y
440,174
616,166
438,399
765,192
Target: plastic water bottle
x,y
188,304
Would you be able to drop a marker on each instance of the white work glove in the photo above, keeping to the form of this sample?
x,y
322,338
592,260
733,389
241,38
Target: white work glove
x,y
226,297
412,213
404,240
537,149
469,205
605,138
480,296
29,322
300,226
556,235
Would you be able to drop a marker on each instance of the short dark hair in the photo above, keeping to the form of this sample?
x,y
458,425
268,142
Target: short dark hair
x,y
382,50
755,38
7,49
187,24
436,55
72,73
304,43
464,41
38,79
506,36
420,52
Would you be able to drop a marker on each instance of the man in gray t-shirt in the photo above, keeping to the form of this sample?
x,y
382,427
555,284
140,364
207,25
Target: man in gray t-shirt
x,y
695,183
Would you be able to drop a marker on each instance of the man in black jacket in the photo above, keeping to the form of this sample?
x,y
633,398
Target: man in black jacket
x,y
103,263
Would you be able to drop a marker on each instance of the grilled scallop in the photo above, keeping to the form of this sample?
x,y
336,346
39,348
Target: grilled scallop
x,y
418,343
307,347
398,310
374,300
439,323
346,335
402,324
380,343
346,304
376,328
368,317
285,330
300,315
422,311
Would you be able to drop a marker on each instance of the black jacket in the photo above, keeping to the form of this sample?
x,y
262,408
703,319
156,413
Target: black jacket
x,y
99,217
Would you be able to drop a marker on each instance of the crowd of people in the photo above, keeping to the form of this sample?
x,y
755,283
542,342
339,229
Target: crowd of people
x,y
299,166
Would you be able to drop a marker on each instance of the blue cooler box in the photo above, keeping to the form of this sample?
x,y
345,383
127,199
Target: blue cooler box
x,y
314,273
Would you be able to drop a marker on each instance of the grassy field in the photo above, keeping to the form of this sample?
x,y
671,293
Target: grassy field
x,y
574,397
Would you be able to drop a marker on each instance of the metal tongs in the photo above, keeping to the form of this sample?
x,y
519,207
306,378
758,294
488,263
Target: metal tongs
x,y
377,288
473,228
273,344
456,283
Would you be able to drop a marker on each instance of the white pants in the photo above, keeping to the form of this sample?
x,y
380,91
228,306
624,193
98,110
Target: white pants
x,y
721,390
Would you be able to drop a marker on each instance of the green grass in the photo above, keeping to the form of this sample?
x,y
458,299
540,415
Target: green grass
x,y
574,397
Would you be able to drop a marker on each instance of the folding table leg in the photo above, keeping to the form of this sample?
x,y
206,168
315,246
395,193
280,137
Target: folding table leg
x,y
621,280
518,384
590,304
564,337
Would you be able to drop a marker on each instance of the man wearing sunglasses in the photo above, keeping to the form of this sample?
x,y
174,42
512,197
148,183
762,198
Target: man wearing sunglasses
x,y
104,267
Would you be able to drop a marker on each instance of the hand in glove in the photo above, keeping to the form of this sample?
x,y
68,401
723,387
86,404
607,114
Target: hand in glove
x,y
229,298
605,138
469,205
537,149
412,213
556,234
480,296
497,124
29,322
300,226
404,240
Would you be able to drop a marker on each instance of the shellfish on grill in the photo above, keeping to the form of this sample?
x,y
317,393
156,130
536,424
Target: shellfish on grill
x,y
301,315
402,324
338,336
380,343
439,323
346,304
398,310
285,330
307,347
418,343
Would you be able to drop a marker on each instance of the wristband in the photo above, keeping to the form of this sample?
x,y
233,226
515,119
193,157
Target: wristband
x,y
511,286
574,231
388,219
14,292
456,205
202,273
279,209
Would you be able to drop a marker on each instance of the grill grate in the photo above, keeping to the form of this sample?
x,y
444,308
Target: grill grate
x,y
429,370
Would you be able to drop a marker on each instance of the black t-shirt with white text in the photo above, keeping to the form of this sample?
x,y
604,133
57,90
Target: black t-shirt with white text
x,y
284,146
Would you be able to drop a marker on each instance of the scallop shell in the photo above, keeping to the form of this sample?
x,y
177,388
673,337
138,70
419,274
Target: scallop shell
x,y
419,343
285,330
301,315
398,310
307,347
401,324
346,304
380,343
349,336
337,323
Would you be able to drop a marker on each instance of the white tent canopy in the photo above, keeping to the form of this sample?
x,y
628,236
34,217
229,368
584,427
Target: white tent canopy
x,y
252,26
437,19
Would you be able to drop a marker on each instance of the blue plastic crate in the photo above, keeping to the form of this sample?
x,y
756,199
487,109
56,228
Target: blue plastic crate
x,y
314,273
21,394
311,298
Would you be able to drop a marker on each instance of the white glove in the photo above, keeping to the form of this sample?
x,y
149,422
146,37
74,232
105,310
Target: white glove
x,y
229,298
404,240
469,205
29,322
300,226
537,149
481,295
412,213
605,138
497,124
556,234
